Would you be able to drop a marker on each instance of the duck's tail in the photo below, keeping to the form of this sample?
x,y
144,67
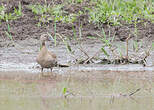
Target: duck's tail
x,y
61,65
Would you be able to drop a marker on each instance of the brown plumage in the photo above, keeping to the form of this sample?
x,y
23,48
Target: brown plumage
x,y
45,58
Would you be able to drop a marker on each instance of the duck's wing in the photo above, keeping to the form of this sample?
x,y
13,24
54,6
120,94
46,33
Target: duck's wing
x,y
41,55
49,61
52,55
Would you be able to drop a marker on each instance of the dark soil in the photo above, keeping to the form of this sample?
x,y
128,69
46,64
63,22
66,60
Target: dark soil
x,y
26,26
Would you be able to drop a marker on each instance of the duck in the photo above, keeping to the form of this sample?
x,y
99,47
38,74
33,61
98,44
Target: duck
x,y
45,58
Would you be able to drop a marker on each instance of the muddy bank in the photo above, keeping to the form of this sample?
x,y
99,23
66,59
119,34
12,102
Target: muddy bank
x,y
20,58
26,26
20,54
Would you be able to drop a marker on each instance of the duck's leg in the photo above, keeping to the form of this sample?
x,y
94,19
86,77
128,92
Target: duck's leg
x,y
41,75
52,74
51,69
42,71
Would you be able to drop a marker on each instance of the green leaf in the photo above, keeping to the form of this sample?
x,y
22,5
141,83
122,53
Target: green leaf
x,y
69,48
8,27
103,32
40,47
64,90
91,37
9,35
105,52
152,45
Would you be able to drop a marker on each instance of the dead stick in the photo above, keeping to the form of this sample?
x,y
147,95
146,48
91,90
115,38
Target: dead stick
x,y
84,51
135,92
92,56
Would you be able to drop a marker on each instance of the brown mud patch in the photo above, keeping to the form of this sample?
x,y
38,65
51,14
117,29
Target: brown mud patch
x,y
26,26
26,33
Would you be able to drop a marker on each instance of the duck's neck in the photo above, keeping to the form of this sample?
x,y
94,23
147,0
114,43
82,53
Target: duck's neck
x,y
43,43
43,48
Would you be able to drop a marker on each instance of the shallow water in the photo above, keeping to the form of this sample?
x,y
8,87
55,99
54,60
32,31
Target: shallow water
x,y
35,68
85,90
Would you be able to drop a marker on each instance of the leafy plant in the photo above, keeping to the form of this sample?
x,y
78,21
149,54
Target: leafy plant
x,y
64,90
9,35
105,52
18,12
2,12
38,9
10,16
115,11
8,32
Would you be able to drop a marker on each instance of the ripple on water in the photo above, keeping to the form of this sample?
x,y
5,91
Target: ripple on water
x,y
33,67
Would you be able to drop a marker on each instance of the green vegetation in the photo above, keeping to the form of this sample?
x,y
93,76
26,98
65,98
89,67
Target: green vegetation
x,y
47,13
103,11
4,16
110,12
8,32
124,52
7,16
115,11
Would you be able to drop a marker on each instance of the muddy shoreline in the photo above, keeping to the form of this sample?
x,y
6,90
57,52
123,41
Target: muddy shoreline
x,y
19,58
20,53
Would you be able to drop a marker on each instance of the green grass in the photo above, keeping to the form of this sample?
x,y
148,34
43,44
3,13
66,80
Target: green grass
x,y
102,11
115,11
17,13
46,13
112,12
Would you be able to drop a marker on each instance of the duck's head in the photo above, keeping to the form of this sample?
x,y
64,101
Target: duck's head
x,y
43,38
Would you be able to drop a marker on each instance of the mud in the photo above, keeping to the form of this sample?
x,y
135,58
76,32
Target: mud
x,y
26,26
18,58
14,56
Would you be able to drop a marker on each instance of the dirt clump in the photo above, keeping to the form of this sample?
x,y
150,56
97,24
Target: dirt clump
x,y
26,26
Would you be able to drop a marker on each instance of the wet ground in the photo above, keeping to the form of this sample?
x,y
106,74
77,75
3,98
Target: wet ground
x,y
25,33
18,57
26,26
